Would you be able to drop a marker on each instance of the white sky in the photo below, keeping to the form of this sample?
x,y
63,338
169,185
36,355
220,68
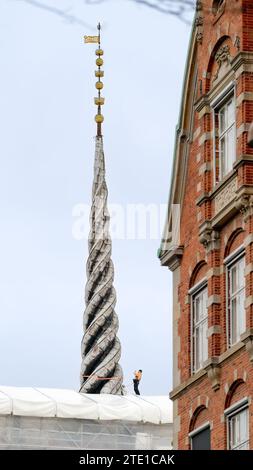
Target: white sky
x,y
47,151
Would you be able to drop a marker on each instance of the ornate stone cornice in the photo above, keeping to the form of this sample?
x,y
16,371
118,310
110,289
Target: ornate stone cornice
x,y
242,159
202,198
242,58
171,257
201,103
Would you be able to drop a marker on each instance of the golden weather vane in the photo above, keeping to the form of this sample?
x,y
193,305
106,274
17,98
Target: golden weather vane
x,y
99,101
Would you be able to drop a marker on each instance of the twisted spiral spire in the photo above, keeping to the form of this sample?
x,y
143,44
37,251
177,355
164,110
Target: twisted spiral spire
x,y
101,350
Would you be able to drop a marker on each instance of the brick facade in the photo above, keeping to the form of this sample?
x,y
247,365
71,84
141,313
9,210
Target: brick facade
x,y
216,218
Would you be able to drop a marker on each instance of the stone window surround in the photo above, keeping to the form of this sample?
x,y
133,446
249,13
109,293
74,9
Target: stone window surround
x,y
242,62
206,105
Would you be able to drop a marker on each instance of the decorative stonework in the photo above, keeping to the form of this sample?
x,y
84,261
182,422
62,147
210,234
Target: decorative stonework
x,y
199,5
225,196
171,257
238,43
223,55
222,58
208,237
199,37
214,373
244,204
199,21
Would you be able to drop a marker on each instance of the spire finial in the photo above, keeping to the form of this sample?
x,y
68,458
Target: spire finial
x,y
99,101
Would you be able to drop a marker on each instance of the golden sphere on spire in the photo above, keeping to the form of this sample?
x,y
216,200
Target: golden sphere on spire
x,y
99,85
99,61
99,118
99,52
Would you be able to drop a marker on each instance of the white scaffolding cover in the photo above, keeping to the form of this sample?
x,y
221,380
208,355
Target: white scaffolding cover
x,y
51,402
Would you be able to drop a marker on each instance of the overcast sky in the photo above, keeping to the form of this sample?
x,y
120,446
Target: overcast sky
x,y
47,152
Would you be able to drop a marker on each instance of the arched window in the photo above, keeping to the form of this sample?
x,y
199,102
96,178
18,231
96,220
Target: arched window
x,y
199,317
237,416
200,433
235,287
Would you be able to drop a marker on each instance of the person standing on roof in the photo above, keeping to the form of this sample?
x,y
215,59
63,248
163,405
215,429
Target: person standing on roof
x,y
136,381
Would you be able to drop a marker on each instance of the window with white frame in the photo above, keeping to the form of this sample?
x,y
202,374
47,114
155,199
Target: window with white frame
x,y
238,428
199,328
235,299
224,136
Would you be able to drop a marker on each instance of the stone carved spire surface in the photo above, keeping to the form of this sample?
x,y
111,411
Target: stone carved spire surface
x,y
101,350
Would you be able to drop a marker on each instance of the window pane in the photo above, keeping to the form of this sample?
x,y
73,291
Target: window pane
x,y
236,298
222,157
226,137
205,340
241,314
243,426
201,440
241,277
231,112
197,309
239,431
234,432
200,326
230,149
233,273
197,349
244,446
205,299
233,321
222,120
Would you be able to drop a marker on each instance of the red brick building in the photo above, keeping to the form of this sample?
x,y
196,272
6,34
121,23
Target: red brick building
x,y
211,256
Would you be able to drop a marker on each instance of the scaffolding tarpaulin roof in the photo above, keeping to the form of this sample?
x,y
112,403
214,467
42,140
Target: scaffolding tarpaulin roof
x,y
61,403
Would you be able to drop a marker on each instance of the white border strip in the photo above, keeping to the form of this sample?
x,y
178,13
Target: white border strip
x,y
237,406
199,429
